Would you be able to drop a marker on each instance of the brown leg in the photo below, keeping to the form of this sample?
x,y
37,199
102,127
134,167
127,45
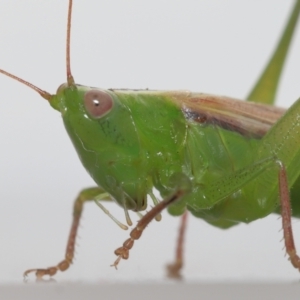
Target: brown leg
x,y
85,195
135,234
286,217
174,269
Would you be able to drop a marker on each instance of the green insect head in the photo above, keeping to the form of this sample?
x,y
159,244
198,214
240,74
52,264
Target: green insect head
x,y
104,135
105,138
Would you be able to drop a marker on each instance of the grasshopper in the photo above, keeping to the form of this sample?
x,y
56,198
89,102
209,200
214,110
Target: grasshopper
x,y
166,191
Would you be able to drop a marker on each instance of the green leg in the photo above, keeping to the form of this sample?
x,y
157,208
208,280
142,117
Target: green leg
x,y
265,89
85,195
282,190
229,184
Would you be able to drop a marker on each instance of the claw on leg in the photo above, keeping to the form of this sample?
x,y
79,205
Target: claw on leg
x,y
40,273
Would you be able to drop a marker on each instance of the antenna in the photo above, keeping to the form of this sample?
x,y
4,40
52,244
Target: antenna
x,y
70,78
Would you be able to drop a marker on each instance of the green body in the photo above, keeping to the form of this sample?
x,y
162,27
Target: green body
x,y
147,140
223,155
150,139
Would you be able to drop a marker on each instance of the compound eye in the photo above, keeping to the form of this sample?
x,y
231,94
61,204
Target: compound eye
x,y
97,103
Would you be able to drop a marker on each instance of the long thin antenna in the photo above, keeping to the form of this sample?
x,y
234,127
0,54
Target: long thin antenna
x,y
44,94
70,78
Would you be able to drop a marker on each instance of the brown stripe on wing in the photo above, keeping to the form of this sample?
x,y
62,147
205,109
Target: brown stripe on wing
x,y
247,118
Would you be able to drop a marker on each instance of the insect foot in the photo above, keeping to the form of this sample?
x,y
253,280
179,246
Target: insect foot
x,y
40,273
173,270
135,234
123,252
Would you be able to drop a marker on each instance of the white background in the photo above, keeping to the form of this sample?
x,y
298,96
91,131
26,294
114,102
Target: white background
x,y
208,46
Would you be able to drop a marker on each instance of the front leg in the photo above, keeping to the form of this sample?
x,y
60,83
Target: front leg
x,y
135,234
85,195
